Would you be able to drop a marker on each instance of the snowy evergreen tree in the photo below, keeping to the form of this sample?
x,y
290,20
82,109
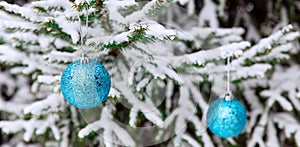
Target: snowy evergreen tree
x,y
166,65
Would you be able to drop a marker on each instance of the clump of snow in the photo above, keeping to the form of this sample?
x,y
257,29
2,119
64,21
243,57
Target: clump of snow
x,y
158,31
115,4
46,4
256,70
25,12
50,104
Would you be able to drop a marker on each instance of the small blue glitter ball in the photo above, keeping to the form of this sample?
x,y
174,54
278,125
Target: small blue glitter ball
x,y
226,118
85,85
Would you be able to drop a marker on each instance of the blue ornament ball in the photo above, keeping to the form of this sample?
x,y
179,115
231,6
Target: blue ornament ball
x,y
85,85
226,118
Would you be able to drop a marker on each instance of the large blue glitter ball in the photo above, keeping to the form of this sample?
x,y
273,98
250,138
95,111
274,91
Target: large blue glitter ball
x,y
85,85
226,118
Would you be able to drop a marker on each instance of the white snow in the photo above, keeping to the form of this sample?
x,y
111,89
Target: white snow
x,y
233,49
272,97
115,4
264,44
110,126
114,92
122,37
71,28
22,24
287,122
50,104
31,126
59,56
256,70
208,13
25,12
142,84
46,4
141,15
132,118
272,135
158,31
152,29
278,52
190,140
47,79
81,1
218,32
8,54
147,108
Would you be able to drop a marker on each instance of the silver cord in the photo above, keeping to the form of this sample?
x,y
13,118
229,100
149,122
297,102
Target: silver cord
x,y
228,94
228,75
84,58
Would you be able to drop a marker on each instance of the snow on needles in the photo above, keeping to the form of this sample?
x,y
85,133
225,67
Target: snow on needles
x,y
152,29
22,11
53,4
31,126
110,126
116,4
50,104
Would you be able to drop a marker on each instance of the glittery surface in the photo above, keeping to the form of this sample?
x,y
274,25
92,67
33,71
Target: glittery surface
x,y
85,85
226,118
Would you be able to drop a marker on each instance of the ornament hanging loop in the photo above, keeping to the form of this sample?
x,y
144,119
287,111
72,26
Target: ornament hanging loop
x,y
84,59
228,95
